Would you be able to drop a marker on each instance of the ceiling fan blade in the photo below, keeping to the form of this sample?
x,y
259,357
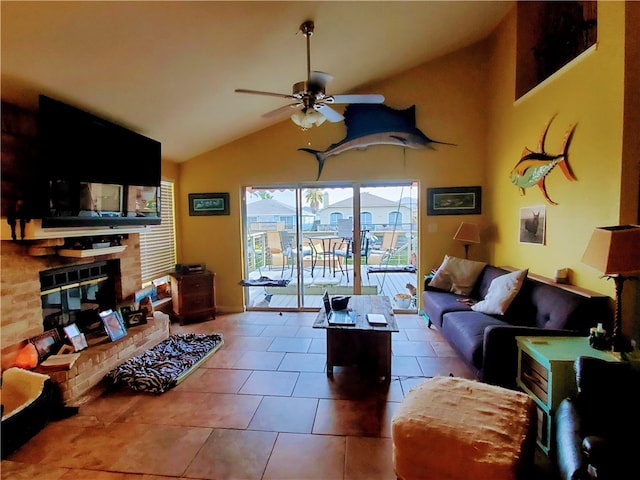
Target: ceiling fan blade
x,y
372,98
320,77
281,110
271,94
328,112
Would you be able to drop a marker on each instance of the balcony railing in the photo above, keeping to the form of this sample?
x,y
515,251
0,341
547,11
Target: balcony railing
x,y
258,252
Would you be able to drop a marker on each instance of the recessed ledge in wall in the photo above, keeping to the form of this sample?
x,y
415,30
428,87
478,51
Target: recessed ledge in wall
x,y
580,58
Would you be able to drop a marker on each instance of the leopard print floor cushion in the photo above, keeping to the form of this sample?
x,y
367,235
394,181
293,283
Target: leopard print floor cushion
x,y
167,364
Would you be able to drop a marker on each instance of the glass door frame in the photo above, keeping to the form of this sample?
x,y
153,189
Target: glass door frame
x,y
298,258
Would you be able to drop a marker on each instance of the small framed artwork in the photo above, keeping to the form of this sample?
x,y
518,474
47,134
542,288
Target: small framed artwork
x,y
208,204
454,201
134,318
79,342
532,224
77,338
113,324
45,343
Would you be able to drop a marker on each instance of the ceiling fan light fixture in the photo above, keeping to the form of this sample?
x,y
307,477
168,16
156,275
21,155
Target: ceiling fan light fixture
x,y
307,118
311,95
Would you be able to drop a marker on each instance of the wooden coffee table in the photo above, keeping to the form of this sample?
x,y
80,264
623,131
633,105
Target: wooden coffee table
x,y
362,344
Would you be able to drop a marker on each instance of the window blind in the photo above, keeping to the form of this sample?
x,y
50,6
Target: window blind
x,y
158,243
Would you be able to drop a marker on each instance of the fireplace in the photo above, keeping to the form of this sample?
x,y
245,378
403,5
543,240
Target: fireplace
x,y
76,294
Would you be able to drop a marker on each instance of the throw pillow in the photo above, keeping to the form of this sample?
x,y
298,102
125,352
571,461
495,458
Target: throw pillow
x,y
501,293
457,275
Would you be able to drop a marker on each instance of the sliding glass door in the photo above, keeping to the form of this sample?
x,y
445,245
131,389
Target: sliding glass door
x,y
389,222
304,240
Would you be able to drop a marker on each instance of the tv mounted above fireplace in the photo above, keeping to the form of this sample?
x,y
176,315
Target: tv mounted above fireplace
x,y
94,172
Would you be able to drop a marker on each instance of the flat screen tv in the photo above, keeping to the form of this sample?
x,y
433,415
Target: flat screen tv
x,y
94,172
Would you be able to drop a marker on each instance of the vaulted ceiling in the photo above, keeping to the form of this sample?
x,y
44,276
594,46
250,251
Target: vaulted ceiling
x,y
169,69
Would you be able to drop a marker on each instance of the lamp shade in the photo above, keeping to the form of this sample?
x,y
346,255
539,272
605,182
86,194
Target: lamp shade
x,y
467,233
307,118
614,250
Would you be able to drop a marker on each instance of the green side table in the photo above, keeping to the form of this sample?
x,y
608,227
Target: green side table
x,y
546,372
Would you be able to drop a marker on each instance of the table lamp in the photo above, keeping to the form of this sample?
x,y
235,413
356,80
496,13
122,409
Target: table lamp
x,y
467,233
615,251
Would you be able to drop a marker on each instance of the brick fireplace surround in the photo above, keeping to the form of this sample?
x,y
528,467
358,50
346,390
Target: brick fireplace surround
x,y
21,315
20,305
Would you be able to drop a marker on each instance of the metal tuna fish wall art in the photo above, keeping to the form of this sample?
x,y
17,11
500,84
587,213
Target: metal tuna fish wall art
x,y
533,167
372,124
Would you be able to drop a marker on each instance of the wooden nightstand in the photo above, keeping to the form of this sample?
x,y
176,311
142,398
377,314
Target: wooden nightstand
x,y
545,371
193,295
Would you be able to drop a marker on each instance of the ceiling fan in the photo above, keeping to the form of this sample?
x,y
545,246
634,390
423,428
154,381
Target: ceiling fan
x,y
310,99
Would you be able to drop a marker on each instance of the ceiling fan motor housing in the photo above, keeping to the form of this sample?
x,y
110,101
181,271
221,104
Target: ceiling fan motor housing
x,y
311,88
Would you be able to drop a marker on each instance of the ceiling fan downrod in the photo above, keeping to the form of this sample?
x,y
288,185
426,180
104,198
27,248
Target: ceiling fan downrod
x,y
307,30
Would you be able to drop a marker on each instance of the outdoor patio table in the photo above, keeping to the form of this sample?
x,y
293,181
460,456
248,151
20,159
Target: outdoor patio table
x,y
326,242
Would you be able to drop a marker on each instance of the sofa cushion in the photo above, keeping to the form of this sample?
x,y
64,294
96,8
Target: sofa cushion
x,y
457,275
502,291
487,276
556,309
465,332
436,303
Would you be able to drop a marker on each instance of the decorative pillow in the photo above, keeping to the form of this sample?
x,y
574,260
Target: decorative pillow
x,y
501,293
457,275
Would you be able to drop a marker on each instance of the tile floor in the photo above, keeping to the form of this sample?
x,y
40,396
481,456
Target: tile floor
x,y
261,407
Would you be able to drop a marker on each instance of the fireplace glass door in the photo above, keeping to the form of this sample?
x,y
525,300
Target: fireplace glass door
x,y
76,295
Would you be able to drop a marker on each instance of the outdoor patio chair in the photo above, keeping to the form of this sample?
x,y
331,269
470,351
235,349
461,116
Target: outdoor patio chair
x,y
308,255
277,254
344,251
381,256
345,228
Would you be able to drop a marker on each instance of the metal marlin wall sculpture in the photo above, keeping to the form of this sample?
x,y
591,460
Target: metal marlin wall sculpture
x,y
371,124
533,167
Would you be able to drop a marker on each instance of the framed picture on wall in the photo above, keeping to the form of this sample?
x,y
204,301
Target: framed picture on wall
x,y
454,201
208,204
533,224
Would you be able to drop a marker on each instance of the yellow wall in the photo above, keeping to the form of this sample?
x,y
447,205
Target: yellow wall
x,y
590,92
170,171
466,98
446,111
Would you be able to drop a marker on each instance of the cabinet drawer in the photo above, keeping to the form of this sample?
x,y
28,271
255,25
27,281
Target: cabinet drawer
x,y
192,303
196,282
535,377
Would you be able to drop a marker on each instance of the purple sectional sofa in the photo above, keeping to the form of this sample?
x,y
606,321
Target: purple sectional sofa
x,y
487,342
